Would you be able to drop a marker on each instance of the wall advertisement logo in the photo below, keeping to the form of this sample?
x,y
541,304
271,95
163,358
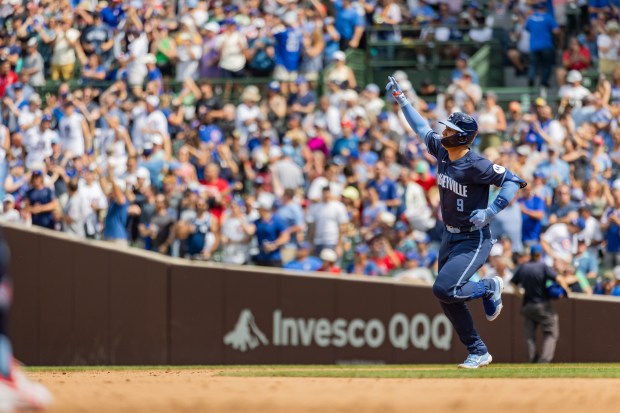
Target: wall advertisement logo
x,y
403,332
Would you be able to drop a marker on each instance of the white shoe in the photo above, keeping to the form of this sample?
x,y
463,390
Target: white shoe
x,y
474,361
24,393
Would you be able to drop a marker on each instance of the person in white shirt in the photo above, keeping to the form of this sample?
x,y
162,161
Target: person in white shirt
x,y
90,190
418,212
188,57
327,223
38,142
329,178
114,146
573,92
560,240
137,50
75,211
236,235
608,43
74,131
9,213
30,117
247,112
155,129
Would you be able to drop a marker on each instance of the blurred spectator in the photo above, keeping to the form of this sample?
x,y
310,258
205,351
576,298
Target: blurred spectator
x,y
608,43
40,201
288,49
9,213
329,258
573,93
115,229
491,122
271,234
541,26
341,73
413,272
533,210
326,222
559,241
350,24
361,264
575,58
304,261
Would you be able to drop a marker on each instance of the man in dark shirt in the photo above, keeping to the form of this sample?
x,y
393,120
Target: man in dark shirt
x,y
537,310
41,202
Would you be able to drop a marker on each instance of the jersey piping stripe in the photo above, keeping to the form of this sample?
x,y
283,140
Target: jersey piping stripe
x,y
469,266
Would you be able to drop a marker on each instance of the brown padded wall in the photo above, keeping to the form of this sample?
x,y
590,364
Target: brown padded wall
x,y
24,272
91,305
258,292
596,331
84,304
196,318
57,268
363,300
307,297
138,310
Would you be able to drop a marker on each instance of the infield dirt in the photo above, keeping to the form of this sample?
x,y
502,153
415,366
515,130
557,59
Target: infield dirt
x,y
186,391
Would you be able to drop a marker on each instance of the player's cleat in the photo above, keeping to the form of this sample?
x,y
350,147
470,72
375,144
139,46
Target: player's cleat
x,y
22,393
493,304
474,361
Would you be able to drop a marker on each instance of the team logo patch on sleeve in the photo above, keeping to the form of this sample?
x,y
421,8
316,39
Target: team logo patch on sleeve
x,y
499,169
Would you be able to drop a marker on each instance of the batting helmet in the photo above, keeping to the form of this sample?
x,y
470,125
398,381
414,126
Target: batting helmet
x,y
465,126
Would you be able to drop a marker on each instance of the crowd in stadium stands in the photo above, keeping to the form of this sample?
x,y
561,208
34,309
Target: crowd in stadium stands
x,y
334,182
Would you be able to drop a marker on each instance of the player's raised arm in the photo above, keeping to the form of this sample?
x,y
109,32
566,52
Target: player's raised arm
x,y
415,120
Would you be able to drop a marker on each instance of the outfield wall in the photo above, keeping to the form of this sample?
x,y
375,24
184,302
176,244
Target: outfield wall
x,y
93,303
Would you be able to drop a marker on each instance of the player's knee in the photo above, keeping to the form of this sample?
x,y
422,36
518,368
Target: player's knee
x,y
441,292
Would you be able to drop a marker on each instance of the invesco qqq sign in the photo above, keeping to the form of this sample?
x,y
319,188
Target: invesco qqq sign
x,y
403,332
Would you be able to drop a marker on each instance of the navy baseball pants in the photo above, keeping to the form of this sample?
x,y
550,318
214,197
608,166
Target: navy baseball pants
x,y
460,256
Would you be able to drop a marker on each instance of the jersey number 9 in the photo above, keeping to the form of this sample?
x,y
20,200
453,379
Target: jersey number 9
x,y
460,206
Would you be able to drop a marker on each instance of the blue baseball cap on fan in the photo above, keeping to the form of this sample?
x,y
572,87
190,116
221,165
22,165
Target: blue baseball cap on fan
x,y
536,249
531,138
362,249
579,223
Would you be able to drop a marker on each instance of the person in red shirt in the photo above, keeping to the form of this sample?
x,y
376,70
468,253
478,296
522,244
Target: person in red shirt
x,y
7,76
575,57
329,258
386,258
423,176
216,189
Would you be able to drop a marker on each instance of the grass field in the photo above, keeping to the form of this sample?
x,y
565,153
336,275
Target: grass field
x,y
435,371
569,388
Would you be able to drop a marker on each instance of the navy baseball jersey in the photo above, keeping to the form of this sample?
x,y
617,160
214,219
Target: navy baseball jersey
x,y
464,183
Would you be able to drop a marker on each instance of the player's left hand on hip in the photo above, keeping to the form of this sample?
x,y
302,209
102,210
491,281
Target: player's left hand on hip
x,y
481,217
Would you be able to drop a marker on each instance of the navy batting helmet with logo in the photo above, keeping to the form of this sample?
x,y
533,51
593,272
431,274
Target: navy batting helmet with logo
x,y
466,130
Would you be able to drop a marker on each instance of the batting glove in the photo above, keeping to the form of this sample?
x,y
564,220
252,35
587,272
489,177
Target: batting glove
x,y
481,217
396,91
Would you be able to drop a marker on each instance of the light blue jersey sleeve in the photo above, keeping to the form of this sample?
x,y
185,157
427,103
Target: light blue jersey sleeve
x,y
422,128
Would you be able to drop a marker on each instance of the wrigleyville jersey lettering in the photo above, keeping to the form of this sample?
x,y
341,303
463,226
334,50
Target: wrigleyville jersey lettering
x,y
464,184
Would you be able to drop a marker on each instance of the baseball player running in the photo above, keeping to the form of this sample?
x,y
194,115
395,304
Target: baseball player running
x,y
464,178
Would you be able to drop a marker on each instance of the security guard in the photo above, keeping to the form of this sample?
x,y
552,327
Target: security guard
x,y
532,276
